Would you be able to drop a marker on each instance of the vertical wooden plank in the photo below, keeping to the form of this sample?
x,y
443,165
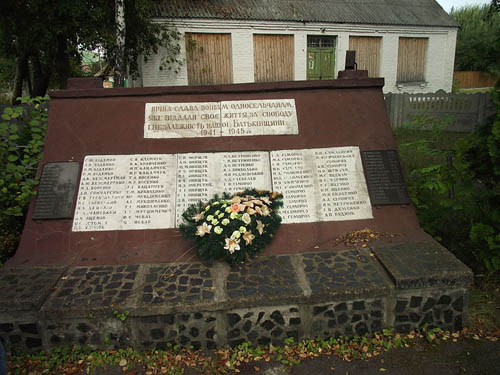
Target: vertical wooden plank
x,y
273,57
208,58
367,53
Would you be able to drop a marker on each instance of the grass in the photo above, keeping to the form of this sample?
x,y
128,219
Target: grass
x,y
484,307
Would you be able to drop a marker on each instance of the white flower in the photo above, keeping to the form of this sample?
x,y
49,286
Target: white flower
x,y
207,208
198,217
243,229
221,215
236,199
265,210
236,234
203,229
218,230
215,222
210,218
246,218
266,200
217,212
233,215
260,227
225,221
248,237
228,209
232,245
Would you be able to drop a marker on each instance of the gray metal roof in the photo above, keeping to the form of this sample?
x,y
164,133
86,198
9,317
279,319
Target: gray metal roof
x,y
375,12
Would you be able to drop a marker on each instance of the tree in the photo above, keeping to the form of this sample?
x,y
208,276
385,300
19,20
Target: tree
x,y
44,37
478,39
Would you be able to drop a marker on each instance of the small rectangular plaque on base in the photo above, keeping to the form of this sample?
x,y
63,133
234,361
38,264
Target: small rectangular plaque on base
x,y
56,192
384,178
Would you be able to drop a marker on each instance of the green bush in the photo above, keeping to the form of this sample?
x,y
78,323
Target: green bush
x,y
22,133
454,182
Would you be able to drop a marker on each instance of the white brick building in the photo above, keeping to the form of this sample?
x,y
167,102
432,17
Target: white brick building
x,y
411,43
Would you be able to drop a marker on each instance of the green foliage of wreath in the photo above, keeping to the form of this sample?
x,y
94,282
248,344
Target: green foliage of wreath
x,y
233,227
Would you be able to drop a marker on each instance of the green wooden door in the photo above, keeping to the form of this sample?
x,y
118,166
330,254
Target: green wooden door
x,y
320,63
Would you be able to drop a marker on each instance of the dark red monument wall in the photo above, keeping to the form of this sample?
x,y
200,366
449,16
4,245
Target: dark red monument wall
x,y
345,112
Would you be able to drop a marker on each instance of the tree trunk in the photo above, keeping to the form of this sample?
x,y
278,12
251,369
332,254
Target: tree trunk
x,y
41,77
21,75
120,67
63,67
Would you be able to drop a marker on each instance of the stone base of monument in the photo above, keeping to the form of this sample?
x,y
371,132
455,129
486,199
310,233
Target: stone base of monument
x,y
349,292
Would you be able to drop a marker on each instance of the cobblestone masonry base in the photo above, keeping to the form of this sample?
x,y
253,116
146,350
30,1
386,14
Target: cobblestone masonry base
x,y
328,294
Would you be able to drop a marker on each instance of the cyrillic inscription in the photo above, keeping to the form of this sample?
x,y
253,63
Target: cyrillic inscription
x,y
259,117
201,175
216,119
182,120
385,177
56,192
321,184
119,192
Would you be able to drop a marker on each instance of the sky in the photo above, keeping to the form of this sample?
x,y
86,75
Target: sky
x,y
447,4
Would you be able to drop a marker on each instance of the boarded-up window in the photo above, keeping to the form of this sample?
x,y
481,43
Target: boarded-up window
x,y
367,53
412,55
208,59
273,57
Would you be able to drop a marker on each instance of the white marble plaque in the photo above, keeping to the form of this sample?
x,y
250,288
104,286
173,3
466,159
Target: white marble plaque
x,y
216,119
120,192
293,175
325,184
202,175
182,120
259,117
341,183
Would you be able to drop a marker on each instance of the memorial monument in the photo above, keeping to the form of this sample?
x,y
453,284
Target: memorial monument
x,y
121,165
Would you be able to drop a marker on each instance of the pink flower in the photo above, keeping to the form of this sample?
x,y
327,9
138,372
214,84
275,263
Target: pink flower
x,y
235,207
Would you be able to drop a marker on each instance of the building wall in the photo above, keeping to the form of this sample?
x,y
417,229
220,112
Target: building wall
x,y
439,64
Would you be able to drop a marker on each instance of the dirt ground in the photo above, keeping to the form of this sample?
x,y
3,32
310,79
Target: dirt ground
x,y
467,356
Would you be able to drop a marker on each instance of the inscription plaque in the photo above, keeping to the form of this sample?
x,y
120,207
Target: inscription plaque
x,y
182,120
56,191
201,175
217,119
119,192
325,184
384,177
259,117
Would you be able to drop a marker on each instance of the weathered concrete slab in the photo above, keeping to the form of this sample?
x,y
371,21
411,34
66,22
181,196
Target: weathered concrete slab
x,y
175,287
344,274
424,264
263,280
25,289
85,290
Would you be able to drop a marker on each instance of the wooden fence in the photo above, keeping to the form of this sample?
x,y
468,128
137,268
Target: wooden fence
x,y
465,110
472,80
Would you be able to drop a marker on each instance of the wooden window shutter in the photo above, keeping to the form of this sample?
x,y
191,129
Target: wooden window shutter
x,y
367,53
208,59
273,57
412,55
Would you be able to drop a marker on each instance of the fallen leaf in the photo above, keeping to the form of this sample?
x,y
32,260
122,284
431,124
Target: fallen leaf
x,y
123,362
382,369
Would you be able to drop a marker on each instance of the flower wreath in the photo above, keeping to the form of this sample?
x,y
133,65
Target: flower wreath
x,y
234,228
